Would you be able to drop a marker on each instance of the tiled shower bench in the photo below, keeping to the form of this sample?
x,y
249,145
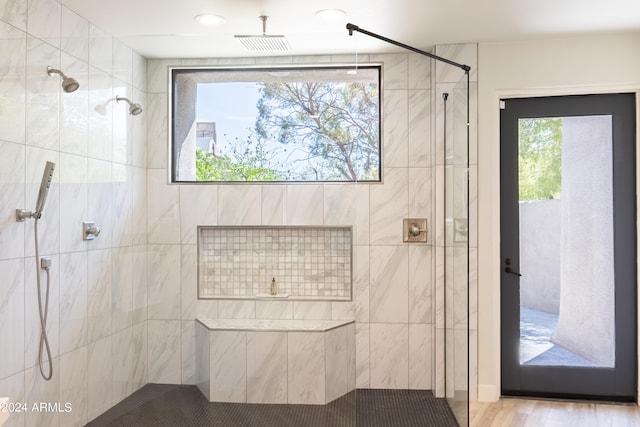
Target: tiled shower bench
x,y
275,361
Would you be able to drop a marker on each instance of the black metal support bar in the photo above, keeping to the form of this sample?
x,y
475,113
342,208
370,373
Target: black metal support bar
x,y
353,27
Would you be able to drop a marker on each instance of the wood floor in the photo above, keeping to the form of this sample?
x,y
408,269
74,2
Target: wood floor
x,y
512,412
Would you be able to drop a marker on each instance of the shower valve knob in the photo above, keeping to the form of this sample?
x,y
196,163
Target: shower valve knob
x,y
91,230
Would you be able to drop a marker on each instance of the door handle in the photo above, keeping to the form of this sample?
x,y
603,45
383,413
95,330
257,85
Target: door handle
x,y
510,271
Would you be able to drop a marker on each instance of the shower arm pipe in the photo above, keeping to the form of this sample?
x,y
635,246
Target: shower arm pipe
x,y
353,27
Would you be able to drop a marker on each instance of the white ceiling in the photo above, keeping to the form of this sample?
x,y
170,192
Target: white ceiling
x,y
166,28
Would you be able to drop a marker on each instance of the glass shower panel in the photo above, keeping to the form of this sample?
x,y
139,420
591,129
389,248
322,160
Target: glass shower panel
x,y
456,200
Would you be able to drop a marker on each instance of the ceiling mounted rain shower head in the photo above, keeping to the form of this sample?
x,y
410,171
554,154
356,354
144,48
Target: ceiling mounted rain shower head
x,y
264,42
134,109
69,84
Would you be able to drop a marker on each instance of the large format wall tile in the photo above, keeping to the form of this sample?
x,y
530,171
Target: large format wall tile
x,y
266,367
164,351
12,233
228,366
389,284
389,355
12,317
306,368
13,47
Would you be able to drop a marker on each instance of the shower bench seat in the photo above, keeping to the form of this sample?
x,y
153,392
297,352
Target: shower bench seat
x,y
275,361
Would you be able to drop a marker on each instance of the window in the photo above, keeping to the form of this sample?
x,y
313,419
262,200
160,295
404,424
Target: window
x,y
295,124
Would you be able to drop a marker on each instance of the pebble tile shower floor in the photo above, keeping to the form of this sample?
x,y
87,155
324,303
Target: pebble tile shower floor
x,y
174,405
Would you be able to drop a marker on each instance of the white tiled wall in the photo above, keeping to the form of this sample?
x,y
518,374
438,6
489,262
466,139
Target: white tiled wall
x,y
97,309
393,281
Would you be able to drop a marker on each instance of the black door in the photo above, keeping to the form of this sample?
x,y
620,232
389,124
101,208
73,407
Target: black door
x,y
568,247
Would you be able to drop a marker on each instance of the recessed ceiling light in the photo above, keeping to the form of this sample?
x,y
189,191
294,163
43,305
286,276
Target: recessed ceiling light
x,y
331,14
209,19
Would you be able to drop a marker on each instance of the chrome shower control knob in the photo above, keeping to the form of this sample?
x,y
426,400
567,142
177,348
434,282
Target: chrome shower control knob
x,y
90,230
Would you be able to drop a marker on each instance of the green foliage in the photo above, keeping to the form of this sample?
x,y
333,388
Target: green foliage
x,y
333,127
540,157
224,168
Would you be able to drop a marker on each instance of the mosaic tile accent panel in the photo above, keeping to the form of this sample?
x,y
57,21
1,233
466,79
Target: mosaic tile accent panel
x,y
312,263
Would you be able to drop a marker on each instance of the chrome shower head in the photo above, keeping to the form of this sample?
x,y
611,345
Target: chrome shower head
x,y
69,84
134,109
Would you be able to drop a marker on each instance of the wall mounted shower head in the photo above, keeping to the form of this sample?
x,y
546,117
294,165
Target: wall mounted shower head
x,y
69,84
134,109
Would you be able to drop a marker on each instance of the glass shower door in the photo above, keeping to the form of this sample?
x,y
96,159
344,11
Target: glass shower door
x,y
456,246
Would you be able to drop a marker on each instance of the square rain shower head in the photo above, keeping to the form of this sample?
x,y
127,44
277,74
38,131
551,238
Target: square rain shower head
x,y
264,43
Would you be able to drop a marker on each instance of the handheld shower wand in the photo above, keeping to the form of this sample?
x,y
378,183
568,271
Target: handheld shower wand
x,y
44,263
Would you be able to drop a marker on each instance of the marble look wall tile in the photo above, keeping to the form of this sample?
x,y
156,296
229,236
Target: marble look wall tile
x,y
351,356
32,318
13,388
139,204
99,294
460,361
395,69
462,53
43,20
420,199
304,205
389,205
473,206
13,48
100,49
473,123
420,352
164,351
455,151
311,310
139,72
203,357
12,317
389,354
164,282
362,355
122,356
274,309
157,137
419,71
43,94
122,288
38,389
439,289
306,368
439,370
12,177
100,114
122,143
74,35
73,201
419,134
99,377
343,310
239,204
163,208
15,13
473,365
356,58
139,254
73,387
236,309
158,74
139,369
99,208
74,112
420,284
122,205
460,288
266,367
228,366
188,347
438,211
139,128
206,199
192,307
273,205
122,62
361,282
396,129
389,283
336,362
348,205
73,301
